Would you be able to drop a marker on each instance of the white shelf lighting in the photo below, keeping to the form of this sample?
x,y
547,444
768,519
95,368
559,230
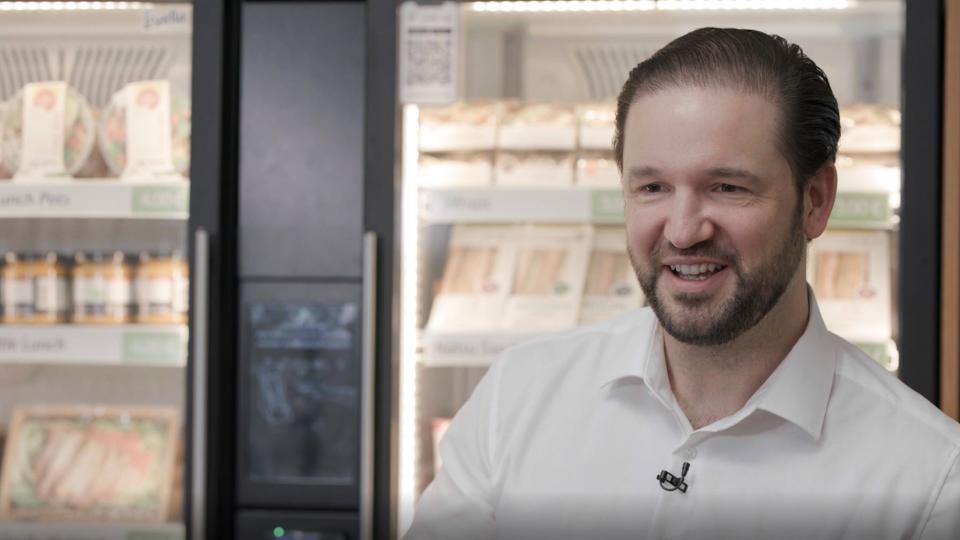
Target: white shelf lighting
x,y
74,6
408,316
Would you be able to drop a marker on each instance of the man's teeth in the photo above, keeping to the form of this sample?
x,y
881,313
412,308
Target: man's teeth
x,y
694,269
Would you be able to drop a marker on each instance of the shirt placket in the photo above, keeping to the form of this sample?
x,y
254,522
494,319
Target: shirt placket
x,y
674,508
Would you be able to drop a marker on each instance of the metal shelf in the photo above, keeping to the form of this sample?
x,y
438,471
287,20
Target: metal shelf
x,y
107,198
861,207
127,345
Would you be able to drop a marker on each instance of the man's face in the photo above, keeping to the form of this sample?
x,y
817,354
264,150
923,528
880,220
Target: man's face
x,y
714,229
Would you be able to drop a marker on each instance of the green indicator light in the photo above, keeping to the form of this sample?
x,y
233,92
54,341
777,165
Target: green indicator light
x,y
278,532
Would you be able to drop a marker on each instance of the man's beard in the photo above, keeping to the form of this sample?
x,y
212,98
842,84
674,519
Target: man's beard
x,y
756,293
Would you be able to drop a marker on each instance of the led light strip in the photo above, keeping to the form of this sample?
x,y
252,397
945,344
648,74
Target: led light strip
x,y
73,6
409,291
542,6
559,6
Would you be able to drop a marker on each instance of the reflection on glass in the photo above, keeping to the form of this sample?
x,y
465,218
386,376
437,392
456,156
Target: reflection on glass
x,y
303,379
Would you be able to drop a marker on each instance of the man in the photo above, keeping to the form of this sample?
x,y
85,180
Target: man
x,y
763,423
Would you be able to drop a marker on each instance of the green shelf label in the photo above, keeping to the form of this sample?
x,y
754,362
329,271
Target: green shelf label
x,y
160,199
862,209
877,351
152,348
607,205
153,535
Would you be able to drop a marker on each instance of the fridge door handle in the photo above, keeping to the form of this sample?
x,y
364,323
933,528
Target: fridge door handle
x,y
198,338
367,379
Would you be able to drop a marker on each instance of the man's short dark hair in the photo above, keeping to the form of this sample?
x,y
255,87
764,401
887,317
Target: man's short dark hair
x,y
752,62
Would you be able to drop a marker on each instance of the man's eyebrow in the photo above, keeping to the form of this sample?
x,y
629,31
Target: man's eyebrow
x,y
644,171
732,172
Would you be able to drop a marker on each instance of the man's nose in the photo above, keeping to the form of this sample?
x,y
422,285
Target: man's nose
x,y
687,225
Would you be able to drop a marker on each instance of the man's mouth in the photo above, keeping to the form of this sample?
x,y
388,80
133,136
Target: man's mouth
x,y
695,272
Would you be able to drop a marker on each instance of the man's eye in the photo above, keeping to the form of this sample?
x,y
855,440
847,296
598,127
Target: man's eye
x,y
729,188
652,188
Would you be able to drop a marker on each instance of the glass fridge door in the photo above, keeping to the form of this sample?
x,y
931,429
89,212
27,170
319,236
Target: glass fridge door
x,y
95,123
512,215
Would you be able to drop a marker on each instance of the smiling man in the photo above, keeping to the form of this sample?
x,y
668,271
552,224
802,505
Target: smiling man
x,y
726,409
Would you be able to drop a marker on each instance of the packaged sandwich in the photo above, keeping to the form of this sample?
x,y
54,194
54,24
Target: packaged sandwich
x,y
597,169
869,129
534,169
549,278
476,278
48,131
596,127
458,127
611,286
850,274
463,169
539,126
83,463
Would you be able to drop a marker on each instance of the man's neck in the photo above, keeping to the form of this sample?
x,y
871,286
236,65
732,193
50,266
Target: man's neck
x,y
711,383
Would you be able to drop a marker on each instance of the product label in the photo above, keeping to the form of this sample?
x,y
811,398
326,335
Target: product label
x,y
149,147
44,119
96,292
181,295
17,295
51,294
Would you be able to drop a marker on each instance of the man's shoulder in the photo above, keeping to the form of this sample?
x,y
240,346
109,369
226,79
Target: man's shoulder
x,y
583,349
888,401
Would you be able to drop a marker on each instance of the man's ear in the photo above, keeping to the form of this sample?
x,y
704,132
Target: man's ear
x,y
818,198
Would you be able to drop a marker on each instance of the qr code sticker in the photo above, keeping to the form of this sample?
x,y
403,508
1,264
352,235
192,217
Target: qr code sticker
x,y
428,60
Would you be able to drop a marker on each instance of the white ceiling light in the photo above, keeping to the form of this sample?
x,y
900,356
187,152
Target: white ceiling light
x,y
559,6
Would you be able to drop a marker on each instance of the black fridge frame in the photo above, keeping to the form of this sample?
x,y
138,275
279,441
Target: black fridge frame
x,y
920,208
213,207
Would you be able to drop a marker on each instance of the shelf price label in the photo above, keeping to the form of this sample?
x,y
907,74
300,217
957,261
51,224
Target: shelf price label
x,y
862,209
160,200
152,348
607,206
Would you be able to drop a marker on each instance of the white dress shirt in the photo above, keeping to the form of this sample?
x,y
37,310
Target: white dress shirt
x,y
564,438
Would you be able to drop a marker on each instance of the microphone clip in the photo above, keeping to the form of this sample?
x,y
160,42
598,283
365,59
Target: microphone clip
x,y
670,482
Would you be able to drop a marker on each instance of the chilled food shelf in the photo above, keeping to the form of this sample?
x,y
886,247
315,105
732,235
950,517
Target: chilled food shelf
x,y
497,205
91,531
107,198
867,207
468,349
135,345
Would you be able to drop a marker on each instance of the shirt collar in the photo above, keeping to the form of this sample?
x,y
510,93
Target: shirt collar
x,y
798,390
